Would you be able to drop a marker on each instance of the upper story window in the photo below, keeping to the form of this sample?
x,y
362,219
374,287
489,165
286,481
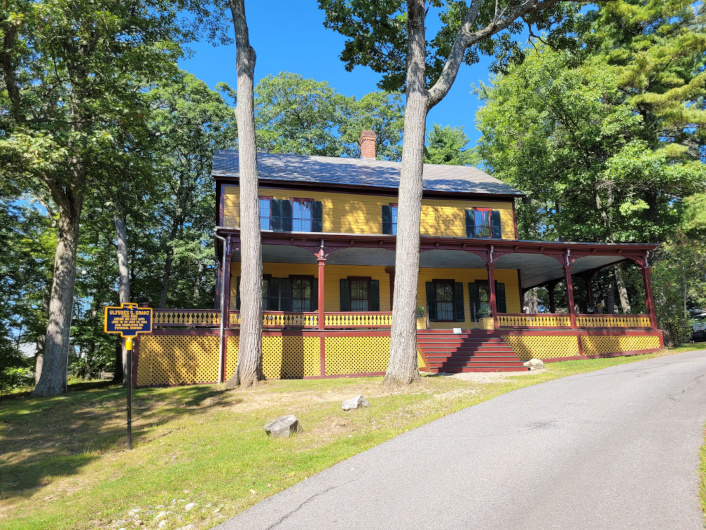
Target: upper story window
x,y
483,223
301,215
287,215
389,219
265,213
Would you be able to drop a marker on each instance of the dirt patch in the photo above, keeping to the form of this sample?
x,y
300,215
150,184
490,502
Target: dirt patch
x,y
491,377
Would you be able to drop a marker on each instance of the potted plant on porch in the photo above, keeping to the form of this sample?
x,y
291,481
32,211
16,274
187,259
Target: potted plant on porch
x,y
421,317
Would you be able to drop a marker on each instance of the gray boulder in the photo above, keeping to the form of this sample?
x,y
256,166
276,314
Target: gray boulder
x,y
283,427
534,364
355,402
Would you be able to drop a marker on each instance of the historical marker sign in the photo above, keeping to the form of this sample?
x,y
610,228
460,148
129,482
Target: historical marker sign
x,y
128,320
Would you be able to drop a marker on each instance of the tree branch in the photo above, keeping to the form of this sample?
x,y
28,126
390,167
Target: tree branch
x,y
466,39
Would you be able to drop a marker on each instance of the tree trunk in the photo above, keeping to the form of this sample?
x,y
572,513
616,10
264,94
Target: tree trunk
x,y
41,340
402,367
56,348
123,281
531,302
249,368
622,291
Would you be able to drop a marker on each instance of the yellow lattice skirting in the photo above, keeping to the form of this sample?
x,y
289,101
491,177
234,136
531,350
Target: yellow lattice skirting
x,y
282,357
543,346
177,360
190,359
602,345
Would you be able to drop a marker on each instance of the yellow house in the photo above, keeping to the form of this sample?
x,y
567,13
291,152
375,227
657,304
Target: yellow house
x,y
328,230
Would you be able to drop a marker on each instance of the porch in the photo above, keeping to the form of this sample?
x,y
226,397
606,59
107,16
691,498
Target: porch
x,y
472,292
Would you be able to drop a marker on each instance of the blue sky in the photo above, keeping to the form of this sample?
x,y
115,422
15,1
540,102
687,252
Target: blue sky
x,y
290,36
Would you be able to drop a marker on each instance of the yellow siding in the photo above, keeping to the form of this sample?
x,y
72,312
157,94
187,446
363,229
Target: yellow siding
x,y
465,276
362,214
334,273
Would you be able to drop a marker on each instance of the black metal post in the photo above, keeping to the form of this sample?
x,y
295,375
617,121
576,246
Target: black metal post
x,y
128,345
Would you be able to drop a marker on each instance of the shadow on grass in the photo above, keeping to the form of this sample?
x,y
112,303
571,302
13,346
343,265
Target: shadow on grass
x,y
56,436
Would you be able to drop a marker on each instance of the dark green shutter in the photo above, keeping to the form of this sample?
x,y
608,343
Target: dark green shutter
x,y
345,295
273,295
317,217
237,293
474,298
286,215
458,302
386,219
314,294
276,215
500,297
374,295
497,225
285,294
470,224
431,301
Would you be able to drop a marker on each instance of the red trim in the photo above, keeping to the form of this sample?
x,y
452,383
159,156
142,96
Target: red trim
x,y
491,288
322,314
648,296
519,291
220,201
514,218
570,295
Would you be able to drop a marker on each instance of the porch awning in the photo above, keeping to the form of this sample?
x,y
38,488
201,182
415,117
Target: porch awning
x,y
539,262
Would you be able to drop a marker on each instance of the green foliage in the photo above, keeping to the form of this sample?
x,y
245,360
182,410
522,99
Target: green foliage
x,y
448,145
302,116
376,33
607,141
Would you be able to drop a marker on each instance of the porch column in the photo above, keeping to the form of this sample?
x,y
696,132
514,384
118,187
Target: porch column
x,y
491,287
217,299
321,261
225,310
649,299
570,295
589,291
391,272
552,299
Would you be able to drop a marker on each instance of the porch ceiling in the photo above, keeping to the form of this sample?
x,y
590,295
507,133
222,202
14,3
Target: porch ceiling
x,y
537,269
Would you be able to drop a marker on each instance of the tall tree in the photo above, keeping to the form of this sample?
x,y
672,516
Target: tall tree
x,y
390,37
72,74
249,367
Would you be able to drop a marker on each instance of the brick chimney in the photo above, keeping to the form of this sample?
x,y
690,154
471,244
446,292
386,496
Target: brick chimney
x,y
367,145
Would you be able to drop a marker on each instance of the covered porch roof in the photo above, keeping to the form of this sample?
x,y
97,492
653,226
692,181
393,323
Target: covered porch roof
x,y
539,262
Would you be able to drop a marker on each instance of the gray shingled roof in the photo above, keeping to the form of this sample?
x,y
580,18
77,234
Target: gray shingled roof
x,y
358,172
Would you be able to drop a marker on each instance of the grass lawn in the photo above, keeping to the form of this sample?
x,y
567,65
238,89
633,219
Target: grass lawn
x,y
200,454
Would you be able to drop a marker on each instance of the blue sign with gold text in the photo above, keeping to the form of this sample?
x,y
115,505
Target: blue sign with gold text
x,y
128,320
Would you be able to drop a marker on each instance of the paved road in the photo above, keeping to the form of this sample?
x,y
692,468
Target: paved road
x,y
617,448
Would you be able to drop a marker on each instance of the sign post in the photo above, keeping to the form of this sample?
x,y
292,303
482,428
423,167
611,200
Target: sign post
x,y
128,320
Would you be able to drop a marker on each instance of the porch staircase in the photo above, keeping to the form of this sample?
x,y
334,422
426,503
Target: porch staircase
x,y
446,352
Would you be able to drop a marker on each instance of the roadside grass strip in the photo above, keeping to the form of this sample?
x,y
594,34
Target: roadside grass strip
x,y
200,454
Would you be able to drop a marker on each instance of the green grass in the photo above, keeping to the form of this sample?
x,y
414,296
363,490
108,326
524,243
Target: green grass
x,y
64,463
